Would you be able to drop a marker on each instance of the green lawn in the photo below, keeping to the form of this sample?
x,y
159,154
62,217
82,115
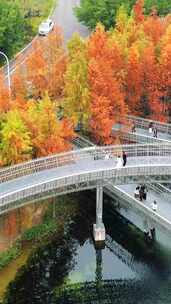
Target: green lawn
x,y
31,8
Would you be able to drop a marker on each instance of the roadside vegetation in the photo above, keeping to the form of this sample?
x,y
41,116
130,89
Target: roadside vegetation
x,y
19,20
91,12
124,70
34,11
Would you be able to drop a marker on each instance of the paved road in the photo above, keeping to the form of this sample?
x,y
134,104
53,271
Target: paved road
x,y
65,18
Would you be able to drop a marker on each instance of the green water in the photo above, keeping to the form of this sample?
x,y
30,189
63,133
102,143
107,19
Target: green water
x,y
69,269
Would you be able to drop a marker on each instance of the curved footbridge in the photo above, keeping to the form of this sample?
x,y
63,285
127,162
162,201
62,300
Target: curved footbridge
x,y
141,133
84,169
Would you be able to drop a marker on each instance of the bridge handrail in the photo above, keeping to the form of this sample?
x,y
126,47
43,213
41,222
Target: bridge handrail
x,y
156,217
144,123
70,157
137,137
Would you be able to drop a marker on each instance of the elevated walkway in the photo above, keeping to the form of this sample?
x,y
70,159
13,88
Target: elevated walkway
x,y
160,219
141,135
87,165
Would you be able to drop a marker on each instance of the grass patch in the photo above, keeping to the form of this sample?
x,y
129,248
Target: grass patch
x,y
34,234
41,231
12,253
36,11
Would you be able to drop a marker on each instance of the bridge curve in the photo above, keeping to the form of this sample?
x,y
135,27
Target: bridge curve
x,y
80,169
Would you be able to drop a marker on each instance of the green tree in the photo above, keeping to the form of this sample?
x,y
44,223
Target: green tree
x,y
104,11
15,145
163,6
12,27
76,102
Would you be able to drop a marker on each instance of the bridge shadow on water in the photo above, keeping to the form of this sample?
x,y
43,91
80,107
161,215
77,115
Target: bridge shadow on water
x,y
68,269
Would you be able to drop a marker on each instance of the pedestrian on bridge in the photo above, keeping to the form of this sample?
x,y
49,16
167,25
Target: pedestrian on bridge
x,y
154,205
150,128
137,192
155,132
144,191
119,162
124,157
133,128
107,156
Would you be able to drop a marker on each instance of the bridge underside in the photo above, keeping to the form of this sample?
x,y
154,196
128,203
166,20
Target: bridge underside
x,y
85,185
53,188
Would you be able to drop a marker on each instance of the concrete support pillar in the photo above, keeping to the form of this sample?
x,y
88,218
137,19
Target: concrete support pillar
x,y
98,228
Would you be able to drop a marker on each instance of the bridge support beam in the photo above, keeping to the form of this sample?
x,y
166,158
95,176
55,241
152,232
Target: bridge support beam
x,y
99,228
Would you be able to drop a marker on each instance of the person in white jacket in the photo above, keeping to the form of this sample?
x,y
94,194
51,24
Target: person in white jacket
x,y
154,206
119,162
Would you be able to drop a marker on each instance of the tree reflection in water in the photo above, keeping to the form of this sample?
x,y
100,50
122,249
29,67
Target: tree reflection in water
x,y
44,278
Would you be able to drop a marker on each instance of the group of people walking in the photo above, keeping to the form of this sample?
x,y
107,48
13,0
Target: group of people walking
x,y
151,129
141,193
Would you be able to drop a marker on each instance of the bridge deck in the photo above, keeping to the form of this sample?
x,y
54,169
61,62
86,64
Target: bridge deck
x,y
144,132
79,167
164,206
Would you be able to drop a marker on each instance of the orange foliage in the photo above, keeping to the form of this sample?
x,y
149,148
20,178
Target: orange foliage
x,y
107,99
138,11
5,102
133,82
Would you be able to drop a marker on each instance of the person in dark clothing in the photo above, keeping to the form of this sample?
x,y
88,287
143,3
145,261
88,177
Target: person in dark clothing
x,y
141,193
133,128
155,132
124,157
143,190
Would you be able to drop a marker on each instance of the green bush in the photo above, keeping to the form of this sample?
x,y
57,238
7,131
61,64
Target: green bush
x,y
13,27
9,255
37,232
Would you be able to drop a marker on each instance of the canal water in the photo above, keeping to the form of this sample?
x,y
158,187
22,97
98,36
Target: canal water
x,y
68,268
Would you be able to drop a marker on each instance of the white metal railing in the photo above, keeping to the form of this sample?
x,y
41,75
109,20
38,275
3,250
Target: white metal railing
x,y
142,208
96,153
127,135
144,123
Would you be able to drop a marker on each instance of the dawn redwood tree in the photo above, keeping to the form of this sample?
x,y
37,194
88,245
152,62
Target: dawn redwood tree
x,y
15,137
76,93
36,73
107,98
5,102
165,78
47,133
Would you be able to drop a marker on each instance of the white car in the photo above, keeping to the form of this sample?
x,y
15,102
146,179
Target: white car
x,y
45,27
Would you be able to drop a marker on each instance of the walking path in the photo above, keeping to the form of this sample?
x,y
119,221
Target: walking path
x,y
164,205
142,133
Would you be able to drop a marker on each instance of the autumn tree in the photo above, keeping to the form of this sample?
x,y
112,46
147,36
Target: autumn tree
x,y
5,101
107,98
76,100
15,137
165,78
47,133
